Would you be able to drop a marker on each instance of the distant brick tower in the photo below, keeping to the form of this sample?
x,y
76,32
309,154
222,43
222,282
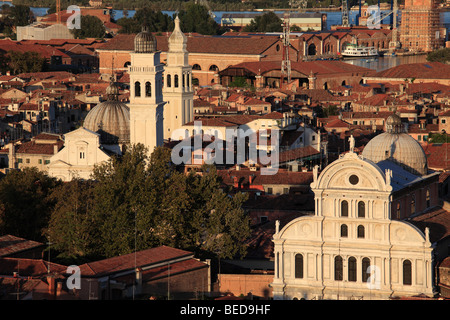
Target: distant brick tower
x,y
420,26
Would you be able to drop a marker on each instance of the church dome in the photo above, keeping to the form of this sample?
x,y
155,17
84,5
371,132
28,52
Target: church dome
x,y
397,146
144,42
110,118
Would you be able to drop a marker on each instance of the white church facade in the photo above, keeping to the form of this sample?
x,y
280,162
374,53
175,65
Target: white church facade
x,y
354,247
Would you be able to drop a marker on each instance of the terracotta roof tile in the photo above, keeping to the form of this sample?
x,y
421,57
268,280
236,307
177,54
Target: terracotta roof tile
x,y
427,70
437,220
127,261
29,267
10,244
199,44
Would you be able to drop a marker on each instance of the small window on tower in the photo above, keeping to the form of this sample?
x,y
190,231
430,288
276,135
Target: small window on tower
x,y
175,80
137,89
148,89
169,81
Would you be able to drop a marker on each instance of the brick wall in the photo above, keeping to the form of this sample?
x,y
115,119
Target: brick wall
x,y
237,284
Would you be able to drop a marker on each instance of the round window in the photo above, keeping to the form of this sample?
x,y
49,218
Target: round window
x,y
353,179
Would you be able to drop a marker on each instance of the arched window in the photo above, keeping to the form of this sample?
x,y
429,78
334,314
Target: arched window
x,y
428,198
175,81
361,209
352,269
127,64
169,81
213,68
344,208
344,231
338,268
196,67
137,89
148,89
188,77
184,80
360,231
413,204
299,266
407,273
365,266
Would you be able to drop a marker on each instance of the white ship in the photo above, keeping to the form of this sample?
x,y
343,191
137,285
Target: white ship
x,y
356,51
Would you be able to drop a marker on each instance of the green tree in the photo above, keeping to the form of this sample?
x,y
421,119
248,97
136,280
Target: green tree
x,y
268,22
129,25
118,196
438,138
156,21
239,82
72,227
440,55
21,15
196,18
25,205
91,27
20,62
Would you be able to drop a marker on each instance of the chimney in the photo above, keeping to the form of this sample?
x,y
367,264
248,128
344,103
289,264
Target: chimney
x,y
55,148
51,284
58,288
250,179
11,156
138,280
236,182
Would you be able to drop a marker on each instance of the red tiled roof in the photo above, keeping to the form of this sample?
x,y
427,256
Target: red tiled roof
x,y
44,51
273,115
29,267
127,261
10,244
415,128
305,68
281,177
211,122
31,147
337,123
297,153
438,155
427,70
438,222
364,115
199,44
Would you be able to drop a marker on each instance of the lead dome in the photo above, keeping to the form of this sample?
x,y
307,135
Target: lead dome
x,y
398,146
110,118
144,42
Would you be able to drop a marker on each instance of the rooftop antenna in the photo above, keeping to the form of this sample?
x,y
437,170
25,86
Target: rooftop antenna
x,y
286,62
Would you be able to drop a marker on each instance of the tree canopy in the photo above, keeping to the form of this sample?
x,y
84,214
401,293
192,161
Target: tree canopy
x,y
196,18
91,27
268,22
440,55
25,204
28,61
136,201
156,21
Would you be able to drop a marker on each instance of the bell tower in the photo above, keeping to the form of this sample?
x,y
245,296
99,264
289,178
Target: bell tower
x,y
146,99
178,90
